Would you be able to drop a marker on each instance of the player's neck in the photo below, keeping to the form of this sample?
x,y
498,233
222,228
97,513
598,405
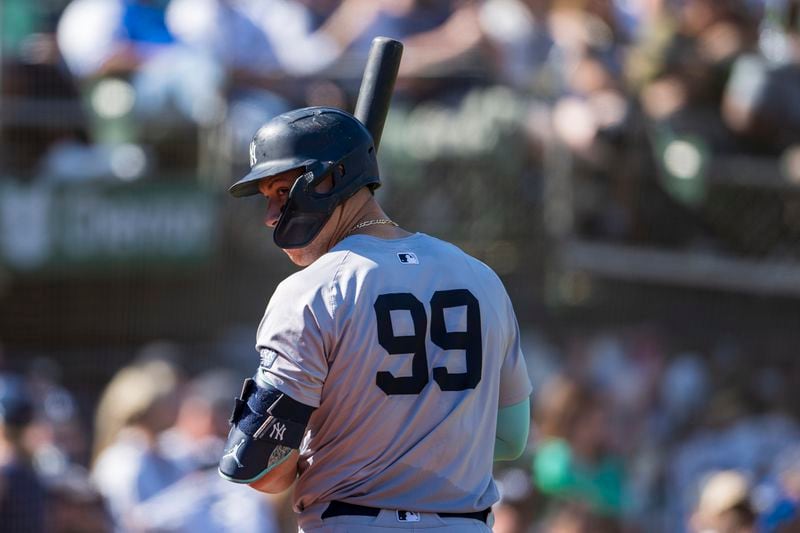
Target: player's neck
x,y
358,215
366,217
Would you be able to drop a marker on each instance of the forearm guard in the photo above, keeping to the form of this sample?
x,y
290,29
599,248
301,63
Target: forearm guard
x,y
266,426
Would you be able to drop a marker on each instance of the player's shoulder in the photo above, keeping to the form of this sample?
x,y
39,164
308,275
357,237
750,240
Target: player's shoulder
x,y
374,254
316,275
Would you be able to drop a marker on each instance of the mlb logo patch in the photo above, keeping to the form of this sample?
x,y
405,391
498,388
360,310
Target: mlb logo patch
x,y
408,258
407,516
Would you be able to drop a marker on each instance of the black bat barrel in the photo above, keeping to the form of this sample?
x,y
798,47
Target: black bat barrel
x,y
377,85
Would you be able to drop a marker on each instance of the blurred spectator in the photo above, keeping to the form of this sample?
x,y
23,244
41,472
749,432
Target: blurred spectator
x,y
139,402
783,509
764,82
202,501
299,37
576,518
520,504
75,505
573,460
22,495
521,42
45,439
435,34
724,505
41,112
131,39
682,66
57,438
156,70
587,55
98,37
684,390
196,439
731,436
507,519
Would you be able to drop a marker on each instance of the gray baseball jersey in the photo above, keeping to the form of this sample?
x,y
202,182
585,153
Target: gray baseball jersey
x,y
407,348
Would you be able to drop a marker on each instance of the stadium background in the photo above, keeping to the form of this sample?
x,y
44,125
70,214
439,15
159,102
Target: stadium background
x,y
630,168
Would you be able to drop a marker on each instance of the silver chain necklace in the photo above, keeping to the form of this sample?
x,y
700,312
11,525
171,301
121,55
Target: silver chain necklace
x,y
373,222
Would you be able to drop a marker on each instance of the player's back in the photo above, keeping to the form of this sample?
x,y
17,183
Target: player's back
x,y
415,337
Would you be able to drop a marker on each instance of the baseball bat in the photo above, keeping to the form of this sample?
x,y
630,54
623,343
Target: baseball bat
x,y
377,85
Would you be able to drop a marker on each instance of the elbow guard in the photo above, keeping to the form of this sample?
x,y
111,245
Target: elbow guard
x,y
266,426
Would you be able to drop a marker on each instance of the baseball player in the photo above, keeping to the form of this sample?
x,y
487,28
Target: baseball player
x,y
391,372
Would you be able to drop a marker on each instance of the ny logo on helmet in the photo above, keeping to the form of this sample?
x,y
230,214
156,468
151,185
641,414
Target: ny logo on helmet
x,y
252,153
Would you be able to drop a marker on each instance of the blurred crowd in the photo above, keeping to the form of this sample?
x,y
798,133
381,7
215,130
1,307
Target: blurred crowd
x,y
652,107
628,436
141,457
649,104
631,435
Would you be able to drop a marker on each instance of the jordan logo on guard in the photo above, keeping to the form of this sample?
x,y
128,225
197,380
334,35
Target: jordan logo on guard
x,y
408,258
407,516
234,452
277,431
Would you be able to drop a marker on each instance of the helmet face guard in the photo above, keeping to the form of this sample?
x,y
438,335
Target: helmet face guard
x,y
322,142
304,214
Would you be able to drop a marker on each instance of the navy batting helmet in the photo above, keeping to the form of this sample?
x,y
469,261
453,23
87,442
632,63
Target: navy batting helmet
x,y
322,141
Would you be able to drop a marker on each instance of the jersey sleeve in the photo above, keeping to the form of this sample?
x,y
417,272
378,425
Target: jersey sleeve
x,y
292,342
515,385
